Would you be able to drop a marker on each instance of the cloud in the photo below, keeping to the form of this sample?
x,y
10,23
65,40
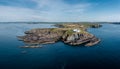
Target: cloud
x,y
60,6
56,11
109,17
104,17
17,14
45,10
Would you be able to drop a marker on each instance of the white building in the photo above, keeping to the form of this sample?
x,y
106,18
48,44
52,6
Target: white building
x,y
76,30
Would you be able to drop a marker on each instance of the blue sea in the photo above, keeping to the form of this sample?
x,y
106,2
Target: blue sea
x,y
105,55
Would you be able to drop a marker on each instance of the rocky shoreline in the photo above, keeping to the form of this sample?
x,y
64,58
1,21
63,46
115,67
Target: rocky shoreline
x,y
72,34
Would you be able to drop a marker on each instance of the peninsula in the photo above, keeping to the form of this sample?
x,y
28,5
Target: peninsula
x,y
72,34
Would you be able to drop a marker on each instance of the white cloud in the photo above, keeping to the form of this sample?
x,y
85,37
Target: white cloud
x,y
59,5
55,11
46,10
111,17
16,14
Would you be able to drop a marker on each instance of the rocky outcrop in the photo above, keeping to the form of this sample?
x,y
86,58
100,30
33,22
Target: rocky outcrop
x,y
96,26
93,41
52,35
80,38
41,36
75,39
118,23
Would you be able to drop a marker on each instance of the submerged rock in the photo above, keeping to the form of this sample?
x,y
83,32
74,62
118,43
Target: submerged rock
x,y
30,46
24,52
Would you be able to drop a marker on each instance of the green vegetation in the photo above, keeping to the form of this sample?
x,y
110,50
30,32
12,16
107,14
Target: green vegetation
x,y
69,32
78,25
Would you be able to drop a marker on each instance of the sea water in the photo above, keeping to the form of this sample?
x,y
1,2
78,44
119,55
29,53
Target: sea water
x,y
104,55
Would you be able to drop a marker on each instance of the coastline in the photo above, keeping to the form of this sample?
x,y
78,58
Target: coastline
x,y
63,32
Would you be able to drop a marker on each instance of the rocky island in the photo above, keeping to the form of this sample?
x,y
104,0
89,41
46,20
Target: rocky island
x,y
72,34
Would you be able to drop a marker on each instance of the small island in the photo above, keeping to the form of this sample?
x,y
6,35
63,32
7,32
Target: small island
x,y
72,34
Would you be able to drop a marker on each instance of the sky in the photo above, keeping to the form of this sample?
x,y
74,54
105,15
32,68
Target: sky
x,y
60,10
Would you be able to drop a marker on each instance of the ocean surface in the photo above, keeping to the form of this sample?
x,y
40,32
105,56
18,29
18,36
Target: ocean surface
x,y
105,55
